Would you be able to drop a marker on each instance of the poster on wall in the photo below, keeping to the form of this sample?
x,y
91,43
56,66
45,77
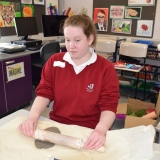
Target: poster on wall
x,y
117,11
27,10
133,12
121,26
141,2
144,28
15,71
26,1
8,10
101,19
40,2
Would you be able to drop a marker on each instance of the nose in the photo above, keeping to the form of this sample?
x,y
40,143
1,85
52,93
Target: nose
x,y
71,44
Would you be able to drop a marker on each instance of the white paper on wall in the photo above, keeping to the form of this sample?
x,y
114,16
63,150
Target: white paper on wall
x,y
26,1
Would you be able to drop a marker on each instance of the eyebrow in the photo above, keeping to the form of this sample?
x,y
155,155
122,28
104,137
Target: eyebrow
x,y
74,37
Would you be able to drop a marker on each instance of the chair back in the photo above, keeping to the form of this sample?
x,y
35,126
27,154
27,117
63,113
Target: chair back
x,y
48,50
136,50
105,46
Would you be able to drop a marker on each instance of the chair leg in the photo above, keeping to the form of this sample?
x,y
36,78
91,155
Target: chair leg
x,y
135,96
144,91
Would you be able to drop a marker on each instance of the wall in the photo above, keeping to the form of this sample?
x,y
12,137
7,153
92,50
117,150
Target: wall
x,y
77,5
89,4
156,34
8,39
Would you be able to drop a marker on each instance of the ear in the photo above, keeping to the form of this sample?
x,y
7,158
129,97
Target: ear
x,y
90,39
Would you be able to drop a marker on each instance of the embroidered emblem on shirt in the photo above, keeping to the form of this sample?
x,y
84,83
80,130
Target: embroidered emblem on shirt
x,y
90,88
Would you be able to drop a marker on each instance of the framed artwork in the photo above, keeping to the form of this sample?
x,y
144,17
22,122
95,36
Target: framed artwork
x,y
26,1
40,2
144,28
141,2
133,12
121,26
27,10
101,19
117,11
8,11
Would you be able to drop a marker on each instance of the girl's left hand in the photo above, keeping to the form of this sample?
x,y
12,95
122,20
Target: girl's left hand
x,y
95,140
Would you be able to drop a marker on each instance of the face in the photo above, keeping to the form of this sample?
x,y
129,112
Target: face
x,y
77,44
100,17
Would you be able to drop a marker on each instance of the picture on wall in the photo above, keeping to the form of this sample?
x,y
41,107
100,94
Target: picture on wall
x,y
121,26
27,10
141,2
8,10
101,19
133,12
40,2
117,11
26,1
144,28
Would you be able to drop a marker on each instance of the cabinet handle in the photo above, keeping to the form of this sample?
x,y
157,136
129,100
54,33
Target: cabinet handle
x,y
10,62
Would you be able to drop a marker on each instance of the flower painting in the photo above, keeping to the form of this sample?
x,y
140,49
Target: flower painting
x,y
144,28
27,10
121,26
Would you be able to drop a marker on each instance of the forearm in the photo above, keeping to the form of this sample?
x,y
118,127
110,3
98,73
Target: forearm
x,y
106,120
39,105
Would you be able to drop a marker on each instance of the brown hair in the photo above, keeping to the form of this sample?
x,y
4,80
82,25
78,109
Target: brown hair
x,y
102,11
85,23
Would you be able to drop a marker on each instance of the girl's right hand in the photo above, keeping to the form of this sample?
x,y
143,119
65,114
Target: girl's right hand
x,y
28,127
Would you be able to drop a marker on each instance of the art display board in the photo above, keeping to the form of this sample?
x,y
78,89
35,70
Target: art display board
x,y
38,11
146,13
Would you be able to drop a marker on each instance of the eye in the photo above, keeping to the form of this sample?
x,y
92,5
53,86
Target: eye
x,y
67,40
77,40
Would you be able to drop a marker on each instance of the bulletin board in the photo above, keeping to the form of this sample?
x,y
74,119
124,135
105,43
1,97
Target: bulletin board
x,y
148,13
38,11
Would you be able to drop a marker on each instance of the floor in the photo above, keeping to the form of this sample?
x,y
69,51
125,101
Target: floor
x,y
123,99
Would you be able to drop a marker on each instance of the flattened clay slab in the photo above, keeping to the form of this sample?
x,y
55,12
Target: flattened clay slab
x,y
42,144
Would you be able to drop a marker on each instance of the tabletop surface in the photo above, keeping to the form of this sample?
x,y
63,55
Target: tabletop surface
x,y
5,56
21,112
24,113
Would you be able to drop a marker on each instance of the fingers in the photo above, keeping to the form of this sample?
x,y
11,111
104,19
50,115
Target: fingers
x,y
91,143
94,141
27,128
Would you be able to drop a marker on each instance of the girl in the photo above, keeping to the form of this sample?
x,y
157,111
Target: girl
x,y
83,85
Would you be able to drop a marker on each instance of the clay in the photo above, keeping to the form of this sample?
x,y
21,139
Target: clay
x,y
43,144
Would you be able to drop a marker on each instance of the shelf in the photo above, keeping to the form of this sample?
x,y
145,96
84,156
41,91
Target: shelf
x,y
130,70
134,78
138,90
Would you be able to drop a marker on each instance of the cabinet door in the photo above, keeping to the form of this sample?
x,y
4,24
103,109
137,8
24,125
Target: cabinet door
x,y
2,93
19,90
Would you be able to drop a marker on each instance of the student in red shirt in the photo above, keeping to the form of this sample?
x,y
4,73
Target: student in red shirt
x,y
83,85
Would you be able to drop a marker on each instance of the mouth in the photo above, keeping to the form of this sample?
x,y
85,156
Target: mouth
x,y
72,52
8,20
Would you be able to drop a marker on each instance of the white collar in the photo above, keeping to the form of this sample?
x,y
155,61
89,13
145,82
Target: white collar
x,y
93,58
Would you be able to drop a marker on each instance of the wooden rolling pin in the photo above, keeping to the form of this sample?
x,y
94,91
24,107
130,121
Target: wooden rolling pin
x,y
62,140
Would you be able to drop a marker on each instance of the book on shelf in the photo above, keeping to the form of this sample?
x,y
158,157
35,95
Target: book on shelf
x,y
68,10
127,65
